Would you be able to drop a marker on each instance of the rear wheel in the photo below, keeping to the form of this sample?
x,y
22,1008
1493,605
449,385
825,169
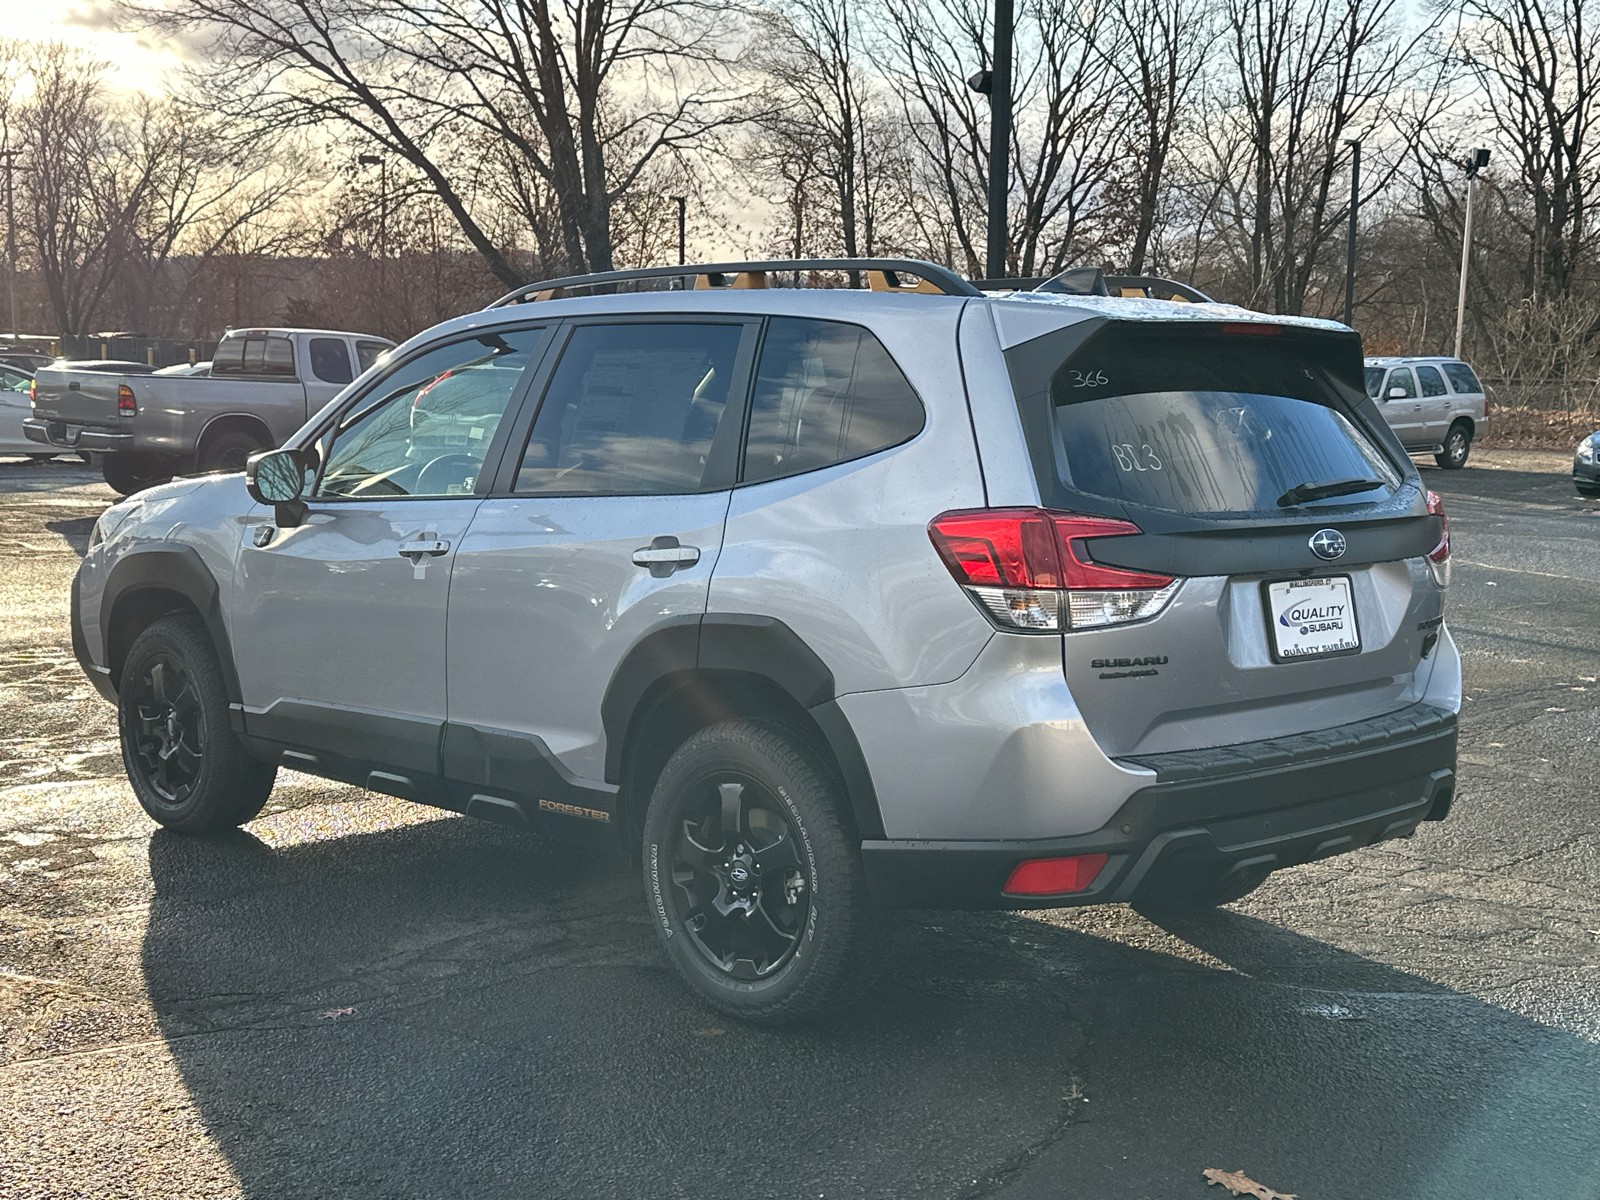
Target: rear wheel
x,y
132,471
228,450
1457,445
754,875
187,768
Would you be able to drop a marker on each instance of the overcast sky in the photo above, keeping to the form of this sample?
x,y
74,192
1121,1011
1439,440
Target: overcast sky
x,y
137,62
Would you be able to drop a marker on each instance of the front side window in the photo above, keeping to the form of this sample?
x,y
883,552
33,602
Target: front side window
x,y
330,361
1462,378
368,353
1400,378
1431,381
424,429
826,393
634,410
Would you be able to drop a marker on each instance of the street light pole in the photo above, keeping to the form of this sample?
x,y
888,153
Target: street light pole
x,y
683,206
1000,138
1480,160
1350,248
11,238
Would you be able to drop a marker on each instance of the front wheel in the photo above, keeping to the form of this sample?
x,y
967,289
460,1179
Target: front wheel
x,y
1457,445
187,768
754,874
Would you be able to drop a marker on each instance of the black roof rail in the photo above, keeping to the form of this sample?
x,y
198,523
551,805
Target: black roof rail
x,y
883,275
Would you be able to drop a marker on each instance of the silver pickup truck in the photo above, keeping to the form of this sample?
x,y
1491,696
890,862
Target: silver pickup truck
x,y
263,385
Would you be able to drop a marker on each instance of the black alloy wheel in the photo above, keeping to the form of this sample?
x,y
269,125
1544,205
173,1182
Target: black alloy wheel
x,y
753,871
1457,445
737,880
168,738
228,451
187,767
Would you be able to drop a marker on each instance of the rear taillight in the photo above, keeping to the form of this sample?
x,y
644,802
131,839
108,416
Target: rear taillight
x,y
126,405
1054,876
1439,556
33,391
1028,569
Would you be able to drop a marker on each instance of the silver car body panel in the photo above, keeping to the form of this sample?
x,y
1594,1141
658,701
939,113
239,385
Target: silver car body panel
x,y
546,599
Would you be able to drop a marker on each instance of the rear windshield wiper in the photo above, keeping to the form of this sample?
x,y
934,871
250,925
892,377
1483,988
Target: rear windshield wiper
x,y
1304,493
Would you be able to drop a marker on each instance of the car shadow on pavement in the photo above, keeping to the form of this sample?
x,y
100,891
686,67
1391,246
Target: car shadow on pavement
x,y
452,1008
74,532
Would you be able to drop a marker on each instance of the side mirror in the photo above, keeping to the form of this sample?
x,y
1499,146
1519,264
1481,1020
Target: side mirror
x,y
278,477
1397,393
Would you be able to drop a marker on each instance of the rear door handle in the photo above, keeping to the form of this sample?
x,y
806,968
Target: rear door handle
x,y
664,556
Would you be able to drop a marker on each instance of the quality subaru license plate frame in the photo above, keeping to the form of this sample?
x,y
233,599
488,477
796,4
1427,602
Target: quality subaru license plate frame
x,y
1272,607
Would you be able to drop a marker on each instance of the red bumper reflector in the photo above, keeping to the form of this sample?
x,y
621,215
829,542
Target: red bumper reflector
x,y
1054,876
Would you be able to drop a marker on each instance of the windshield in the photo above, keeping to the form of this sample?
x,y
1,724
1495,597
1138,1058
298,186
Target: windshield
x,y
1374,381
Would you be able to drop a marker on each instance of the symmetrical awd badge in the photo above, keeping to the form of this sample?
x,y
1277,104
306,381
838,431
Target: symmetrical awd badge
x,y
1327,543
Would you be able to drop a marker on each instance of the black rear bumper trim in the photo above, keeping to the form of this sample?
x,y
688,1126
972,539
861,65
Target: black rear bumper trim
x,y
1205,826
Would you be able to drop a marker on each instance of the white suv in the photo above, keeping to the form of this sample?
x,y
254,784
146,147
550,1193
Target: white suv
x,y
1435,405
815,599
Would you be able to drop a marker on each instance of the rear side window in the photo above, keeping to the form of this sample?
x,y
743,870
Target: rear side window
x,y
634,410
330,360
1462,378
1431,382
1198,425
826,393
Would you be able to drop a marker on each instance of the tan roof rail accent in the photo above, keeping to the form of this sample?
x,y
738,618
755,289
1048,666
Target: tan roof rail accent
x,y
744,280
555,293
889,281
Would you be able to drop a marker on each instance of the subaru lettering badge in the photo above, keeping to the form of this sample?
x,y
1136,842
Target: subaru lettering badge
x,y
1327,543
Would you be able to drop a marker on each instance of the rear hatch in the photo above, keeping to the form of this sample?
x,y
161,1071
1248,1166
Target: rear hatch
x,y
81,395
1232,447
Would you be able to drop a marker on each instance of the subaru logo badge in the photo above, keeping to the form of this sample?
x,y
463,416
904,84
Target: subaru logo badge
x,y
1327,543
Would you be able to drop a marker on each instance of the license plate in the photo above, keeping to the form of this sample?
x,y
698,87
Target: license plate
x,y
1312,618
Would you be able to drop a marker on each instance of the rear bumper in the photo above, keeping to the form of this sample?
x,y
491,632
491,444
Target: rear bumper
x,y
64,436
1210,813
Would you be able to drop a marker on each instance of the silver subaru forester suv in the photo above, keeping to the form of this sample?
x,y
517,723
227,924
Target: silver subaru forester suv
x,y
815,600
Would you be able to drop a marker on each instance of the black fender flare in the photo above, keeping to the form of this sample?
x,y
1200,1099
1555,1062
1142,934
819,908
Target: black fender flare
x,y
749,645
173,568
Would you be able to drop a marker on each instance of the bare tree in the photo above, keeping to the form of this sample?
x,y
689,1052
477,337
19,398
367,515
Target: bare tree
x,y
609,85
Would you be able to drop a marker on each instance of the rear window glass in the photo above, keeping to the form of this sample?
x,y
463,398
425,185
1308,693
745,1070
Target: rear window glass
x,y
1462,378
1203,425
254,356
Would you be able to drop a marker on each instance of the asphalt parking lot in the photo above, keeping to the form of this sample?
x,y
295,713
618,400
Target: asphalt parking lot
x,y
357,997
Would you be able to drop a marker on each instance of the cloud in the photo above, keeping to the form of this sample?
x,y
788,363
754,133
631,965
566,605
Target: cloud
x,y
97,16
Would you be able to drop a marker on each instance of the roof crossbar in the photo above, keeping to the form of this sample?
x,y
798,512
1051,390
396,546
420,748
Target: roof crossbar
x,y
883,274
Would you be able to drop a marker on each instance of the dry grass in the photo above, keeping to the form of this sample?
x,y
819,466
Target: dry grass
x,y
1517,428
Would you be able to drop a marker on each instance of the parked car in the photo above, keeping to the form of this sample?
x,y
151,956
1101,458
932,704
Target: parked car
x,y
1435,405
14,387
149,426
194,368
26,362
814,600
1586,466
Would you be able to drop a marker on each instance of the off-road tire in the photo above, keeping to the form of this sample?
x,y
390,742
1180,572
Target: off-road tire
x,y
228,450
131,471
1457,445
830,959
207,782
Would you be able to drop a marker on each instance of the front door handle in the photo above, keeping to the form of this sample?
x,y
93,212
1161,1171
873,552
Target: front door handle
x,y
415,550
664,556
